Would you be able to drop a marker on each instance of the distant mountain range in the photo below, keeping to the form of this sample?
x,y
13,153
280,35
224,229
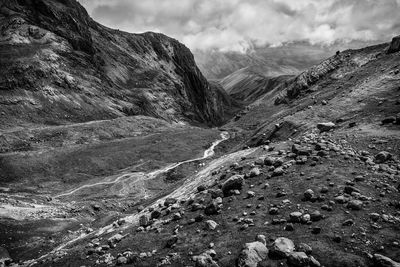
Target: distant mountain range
x,y
289,59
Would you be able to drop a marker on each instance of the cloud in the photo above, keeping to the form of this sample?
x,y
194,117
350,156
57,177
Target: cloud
x,y
240,25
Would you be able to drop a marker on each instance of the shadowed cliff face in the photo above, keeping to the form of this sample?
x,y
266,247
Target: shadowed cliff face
x,y
60,66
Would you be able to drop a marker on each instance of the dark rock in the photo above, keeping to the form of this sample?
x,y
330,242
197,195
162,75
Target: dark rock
x,y
394,45
382,157
235,182
298,259
171,242
325,126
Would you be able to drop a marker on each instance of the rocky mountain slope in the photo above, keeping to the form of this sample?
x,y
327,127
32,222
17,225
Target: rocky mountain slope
x,y
307,176
59,66
247,84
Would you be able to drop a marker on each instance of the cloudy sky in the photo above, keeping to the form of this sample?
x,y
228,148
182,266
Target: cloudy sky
x,y
237,25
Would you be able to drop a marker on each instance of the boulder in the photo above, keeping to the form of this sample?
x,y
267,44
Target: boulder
x,y
394,45
252,254
233,183
282,247
325,126
382,157
204,260
298,259
383,261
144,220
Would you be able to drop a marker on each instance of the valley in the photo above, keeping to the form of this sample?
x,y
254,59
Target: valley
x,y
115,150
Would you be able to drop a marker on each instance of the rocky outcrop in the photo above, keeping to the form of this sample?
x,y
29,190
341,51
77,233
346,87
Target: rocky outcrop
x,y
394,45
60,66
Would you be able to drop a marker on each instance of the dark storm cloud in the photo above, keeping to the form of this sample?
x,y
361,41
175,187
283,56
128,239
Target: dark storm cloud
x,y
237,25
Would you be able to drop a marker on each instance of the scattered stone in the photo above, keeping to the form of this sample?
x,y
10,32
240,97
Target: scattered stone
x,y
348,222
355,204
252,254
295,216
298,259
382,157
254,172
282,247
278,172
273,211
325,126
205,259
233,183
144,220
303,247
170,201
211,225
201,188
308,194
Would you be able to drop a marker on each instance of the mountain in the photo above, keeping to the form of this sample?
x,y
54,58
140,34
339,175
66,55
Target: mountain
x,y
306,175
59,66
248,84
289,59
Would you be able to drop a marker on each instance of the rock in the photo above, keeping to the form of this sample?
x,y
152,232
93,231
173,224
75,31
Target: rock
x,y
316,216
388,120
289,227
301,151
278,172
325,126
205,260
144,220
295,216
250,194
155,214
316,230
282,247
341,199
171,242
382,157
177,216
252,254
211,225
383,261
254,172
308,194
273,211
269,161
314,262
355,204
4,256
348,222
112,241
121,260
262,239
170,201
215,193
212,208
350,189
374,216
298,259
303,247
394,45
233,183
201,188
